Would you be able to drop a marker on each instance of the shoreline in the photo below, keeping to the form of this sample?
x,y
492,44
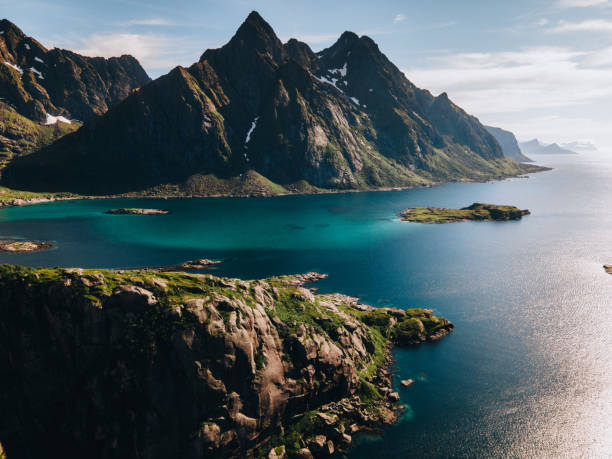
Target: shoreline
x,y
18,202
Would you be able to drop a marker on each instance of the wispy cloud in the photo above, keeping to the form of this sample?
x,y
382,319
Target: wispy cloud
x,y
399,17
581,3
148,22
314,39
499,86
153,51
539,77
591,25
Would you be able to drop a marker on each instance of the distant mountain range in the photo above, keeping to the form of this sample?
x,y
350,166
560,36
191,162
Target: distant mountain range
x,y
535,147
257,116
46,93
580,146
508,143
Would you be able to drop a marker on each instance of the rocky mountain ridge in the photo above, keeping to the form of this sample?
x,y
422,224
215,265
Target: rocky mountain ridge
x,y
46,93
277,115
98,363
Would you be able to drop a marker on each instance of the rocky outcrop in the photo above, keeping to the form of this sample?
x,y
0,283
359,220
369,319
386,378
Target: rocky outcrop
x,y
132,211
108,364
12,245
257,113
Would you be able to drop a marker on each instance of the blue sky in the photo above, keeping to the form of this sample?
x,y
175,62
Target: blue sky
x,y
540,68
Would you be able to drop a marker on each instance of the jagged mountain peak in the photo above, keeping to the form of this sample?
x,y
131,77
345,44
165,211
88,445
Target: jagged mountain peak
x,y
346,117
7,27
256,33
301,53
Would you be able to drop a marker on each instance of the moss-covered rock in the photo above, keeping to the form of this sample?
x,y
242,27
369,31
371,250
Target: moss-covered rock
x,y
169,364
476,212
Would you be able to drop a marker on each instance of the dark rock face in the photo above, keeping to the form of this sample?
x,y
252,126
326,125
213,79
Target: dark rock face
x,y
508,143
154,365
344,118
35,81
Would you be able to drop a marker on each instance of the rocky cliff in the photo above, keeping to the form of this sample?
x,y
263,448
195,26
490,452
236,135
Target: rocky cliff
x,y
508,143
259,116
112,364
45,93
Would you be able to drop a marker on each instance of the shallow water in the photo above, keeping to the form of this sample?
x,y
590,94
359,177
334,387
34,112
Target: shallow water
x,y
526,372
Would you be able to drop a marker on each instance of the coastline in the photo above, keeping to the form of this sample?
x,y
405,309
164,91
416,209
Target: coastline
x,y
20,202
330,353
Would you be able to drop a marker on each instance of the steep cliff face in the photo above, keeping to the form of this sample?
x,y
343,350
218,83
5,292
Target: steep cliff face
x,y
508,143
344,118
47,87
140,364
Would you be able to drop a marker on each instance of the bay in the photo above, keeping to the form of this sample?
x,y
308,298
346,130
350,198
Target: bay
x,y
526,373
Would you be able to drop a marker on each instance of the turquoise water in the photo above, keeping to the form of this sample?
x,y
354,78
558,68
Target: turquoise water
x,y
526,373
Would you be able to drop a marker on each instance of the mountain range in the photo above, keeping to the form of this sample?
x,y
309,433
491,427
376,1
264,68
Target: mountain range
x,y
47,93
510,146
535,147
580,146
257,116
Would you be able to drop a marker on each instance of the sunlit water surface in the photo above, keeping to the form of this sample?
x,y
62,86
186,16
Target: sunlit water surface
x,y
527,371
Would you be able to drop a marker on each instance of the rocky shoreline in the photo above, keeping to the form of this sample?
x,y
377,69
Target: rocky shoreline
x,y
170,364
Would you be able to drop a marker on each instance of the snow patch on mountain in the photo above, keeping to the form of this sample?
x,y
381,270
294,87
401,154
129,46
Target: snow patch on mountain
x,y
253,126
54,119
38,73
16,67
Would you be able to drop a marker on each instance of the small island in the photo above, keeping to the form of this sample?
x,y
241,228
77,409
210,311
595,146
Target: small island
x,y
135,211
476,212
608,268
23,246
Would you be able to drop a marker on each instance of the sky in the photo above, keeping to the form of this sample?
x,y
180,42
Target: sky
x,y
540,68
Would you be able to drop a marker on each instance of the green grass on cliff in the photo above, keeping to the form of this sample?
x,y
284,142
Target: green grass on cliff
x,y
20,135
8,196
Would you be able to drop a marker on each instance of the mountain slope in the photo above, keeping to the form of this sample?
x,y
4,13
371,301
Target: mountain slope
x,y
255,109
50,86
535,147
508,143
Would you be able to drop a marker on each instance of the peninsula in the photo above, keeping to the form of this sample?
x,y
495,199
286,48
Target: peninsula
x,y
193,363
476,212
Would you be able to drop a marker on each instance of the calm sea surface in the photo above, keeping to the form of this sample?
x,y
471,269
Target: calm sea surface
x,y
527,371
